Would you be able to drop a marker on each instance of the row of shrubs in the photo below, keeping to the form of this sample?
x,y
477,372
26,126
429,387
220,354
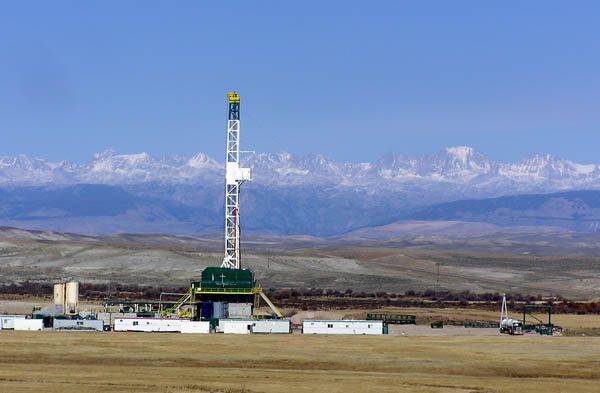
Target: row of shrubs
x,y
308,297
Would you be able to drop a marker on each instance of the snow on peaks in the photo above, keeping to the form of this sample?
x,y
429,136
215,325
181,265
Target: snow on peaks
x,y
107,153
460,166
462,153
201,161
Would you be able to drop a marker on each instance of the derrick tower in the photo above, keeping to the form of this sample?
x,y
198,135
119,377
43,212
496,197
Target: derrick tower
x,y
229,284
234,177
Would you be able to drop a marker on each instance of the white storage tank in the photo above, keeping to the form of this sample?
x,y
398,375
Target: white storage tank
x,y
59,299
72,297
342,327
7,322
274,326
28,324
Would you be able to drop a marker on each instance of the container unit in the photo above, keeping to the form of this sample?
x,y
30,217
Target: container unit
x,y
7,322
78,324
28,324
238,310
105,318
147,325
194,326
109,317
235,326
342,327
120,315
218,310
275,326
44,316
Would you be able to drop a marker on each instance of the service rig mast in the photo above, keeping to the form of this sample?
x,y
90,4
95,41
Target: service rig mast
x,y
234,177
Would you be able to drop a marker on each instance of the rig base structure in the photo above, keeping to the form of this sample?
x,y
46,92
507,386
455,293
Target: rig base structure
x,y
219,284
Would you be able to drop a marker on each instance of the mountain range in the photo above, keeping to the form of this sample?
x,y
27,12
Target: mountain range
x,y
309,194
460,165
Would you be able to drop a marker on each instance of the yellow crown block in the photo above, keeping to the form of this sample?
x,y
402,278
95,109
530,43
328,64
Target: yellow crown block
x,y
233,97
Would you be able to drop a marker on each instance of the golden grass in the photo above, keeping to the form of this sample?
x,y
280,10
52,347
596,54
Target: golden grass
x,y
176,363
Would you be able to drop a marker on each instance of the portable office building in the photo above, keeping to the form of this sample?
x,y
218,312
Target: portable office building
x,y
194,326
8,321
78,324
28,324
147,325
281,326
342,327
235,326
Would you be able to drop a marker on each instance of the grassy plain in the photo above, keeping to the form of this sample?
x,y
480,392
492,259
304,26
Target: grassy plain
x,y
175,363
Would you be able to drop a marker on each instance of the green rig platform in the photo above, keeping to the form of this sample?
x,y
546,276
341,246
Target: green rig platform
x,y
221,284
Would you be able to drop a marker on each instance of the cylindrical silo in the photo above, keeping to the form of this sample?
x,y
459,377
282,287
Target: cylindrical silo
x,y
72,297
59,298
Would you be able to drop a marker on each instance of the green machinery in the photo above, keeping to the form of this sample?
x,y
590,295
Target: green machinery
x,y
394,319
539,326
220,285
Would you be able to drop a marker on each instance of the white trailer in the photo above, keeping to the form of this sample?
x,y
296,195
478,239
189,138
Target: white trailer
x,y
28,324
194,326
7,322
342,327
78,324
147,325
275,326
235,326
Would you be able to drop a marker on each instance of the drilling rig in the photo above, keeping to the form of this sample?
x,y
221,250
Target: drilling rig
x,y
230,283
234,177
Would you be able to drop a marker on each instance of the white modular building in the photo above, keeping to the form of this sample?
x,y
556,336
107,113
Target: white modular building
x,y
147,325
7,322
28,324
78,324
194,326
275,326
342,327
235,326
248,326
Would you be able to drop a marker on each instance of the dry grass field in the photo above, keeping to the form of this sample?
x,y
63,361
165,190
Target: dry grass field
x,y
175,363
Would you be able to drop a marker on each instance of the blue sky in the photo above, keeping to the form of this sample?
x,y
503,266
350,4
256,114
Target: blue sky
x,y
351,79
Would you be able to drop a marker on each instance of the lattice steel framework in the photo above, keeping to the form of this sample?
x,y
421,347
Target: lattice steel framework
x,y
234,177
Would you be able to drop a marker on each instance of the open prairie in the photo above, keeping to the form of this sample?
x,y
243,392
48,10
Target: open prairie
x,y
298,263
173,363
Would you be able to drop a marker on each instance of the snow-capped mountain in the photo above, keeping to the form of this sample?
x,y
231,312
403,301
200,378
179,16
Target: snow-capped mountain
x,y
459,167
309,194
